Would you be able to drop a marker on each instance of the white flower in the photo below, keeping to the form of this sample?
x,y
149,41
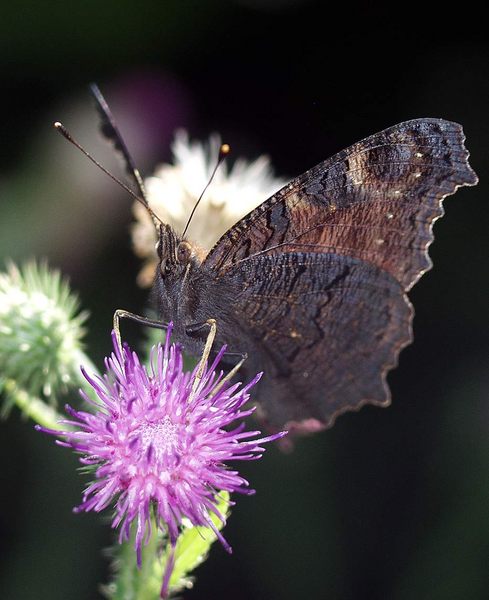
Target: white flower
x,y
174,190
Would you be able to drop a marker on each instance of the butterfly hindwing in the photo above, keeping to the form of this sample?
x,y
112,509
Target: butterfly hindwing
x,y
327,329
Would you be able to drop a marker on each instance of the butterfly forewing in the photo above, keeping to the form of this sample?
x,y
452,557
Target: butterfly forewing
x,y
322,267
376,201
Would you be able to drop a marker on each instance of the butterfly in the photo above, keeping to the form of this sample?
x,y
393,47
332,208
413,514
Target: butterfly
x,y
311,285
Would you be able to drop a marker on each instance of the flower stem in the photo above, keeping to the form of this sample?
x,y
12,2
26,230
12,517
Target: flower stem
x,y
80,359
32,407
38,410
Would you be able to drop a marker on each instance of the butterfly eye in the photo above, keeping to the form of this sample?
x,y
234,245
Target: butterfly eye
x,y
165,268
184,252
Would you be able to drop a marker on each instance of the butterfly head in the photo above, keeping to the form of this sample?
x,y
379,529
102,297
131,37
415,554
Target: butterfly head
x,y
175,286
176,255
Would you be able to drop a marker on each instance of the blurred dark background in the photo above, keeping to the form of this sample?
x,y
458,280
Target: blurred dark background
x,y
389,503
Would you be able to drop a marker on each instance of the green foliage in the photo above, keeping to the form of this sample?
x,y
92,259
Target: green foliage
x,y
191,550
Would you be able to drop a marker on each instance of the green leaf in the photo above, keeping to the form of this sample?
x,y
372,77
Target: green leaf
x,y
191,550
193,546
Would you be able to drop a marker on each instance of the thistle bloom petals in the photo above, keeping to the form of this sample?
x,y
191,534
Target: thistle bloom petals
x,y
154,445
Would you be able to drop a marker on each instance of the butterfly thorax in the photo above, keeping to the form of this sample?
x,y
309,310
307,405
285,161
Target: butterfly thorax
x,y
187,292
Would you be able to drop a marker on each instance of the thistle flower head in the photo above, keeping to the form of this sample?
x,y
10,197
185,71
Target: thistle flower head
x,y
40,330
174,190
152,443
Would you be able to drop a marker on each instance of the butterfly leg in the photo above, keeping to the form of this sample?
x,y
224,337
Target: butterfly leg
x,y
211,323
124,314
205,356
243,356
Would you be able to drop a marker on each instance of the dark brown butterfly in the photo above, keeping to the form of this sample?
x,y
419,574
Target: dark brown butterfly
x,y
312,284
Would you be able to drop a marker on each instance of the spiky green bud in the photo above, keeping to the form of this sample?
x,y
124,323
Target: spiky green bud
x,y
40,332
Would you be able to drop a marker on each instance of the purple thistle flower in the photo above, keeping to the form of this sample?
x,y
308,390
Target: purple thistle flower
x,y
154,444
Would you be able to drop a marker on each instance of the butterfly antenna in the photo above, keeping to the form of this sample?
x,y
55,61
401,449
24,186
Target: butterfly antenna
x,y
224,150
67,135
110,131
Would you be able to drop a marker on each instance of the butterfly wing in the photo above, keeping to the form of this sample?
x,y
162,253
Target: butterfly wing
x,y
324,264
376,200
325,328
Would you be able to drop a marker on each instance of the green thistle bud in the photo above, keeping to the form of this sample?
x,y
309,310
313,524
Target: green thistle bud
x,y
40,332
